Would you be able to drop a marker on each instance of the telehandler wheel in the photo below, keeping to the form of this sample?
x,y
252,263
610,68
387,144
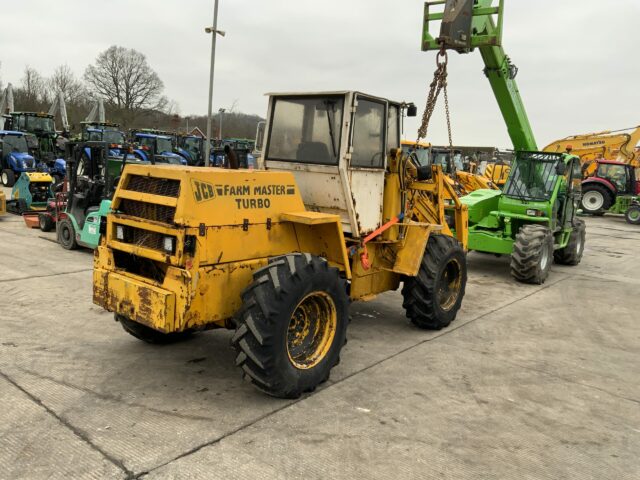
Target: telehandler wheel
x,y
8,178
45,222
292,325
572,253
149,335
66,234
632,215
432,298
532,254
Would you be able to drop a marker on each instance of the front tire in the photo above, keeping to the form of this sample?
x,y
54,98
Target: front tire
x,y
596,199
532,254
148,334
45,222
632,215
8,178
572,253
433,297
66,234
292,325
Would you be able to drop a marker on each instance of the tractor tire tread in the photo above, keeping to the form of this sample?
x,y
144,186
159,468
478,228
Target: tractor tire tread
x,y
525,257
571,254
419,292
255,342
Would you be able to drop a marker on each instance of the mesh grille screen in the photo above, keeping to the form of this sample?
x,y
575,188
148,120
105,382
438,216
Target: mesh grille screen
x,y
148,211
156,186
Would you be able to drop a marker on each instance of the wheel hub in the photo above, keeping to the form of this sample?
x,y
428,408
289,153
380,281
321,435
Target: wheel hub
x,y
311,330
544,258
593,200
450,285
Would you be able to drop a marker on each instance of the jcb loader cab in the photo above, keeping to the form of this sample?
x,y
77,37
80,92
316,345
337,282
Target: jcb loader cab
x,y
338,215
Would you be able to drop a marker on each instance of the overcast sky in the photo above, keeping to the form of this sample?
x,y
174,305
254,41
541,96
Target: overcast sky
x,y
578,59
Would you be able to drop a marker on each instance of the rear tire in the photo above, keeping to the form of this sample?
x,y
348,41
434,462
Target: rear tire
x,y
596,199
46,223
66,234
8,178
572,253
292,325
632,215
532,254
433,297
148,334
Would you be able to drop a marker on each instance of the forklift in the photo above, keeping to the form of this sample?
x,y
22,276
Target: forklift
x,y
78,212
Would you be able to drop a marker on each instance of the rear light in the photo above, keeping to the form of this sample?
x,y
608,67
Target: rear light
x,y
120,232
169,244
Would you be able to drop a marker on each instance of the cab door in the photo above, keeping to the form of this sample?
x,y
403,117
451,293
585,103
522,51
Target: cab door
x,y
574,193
367,160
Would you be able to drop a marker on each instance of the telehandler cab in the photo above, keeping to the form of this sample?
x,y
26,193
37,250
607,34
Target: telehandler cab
x,y
339,215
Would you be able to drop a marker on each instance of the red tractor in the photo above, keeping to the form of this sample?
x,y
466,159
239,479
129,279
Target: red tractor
x,y
613,188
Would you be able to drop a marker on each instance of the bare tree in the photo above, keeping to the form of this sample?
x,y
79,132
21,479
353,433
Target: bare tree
x,y
63,80
33,86
125,80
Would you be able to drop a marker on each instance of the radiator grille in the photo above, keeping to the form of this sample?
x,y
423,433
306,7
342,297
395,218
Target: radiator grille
x,y
148,211
156,186
144,238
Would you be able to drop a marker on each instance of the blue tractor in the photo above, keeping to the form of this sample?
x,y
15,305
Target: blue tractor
x,y
107,133
42,140
155,148
14,156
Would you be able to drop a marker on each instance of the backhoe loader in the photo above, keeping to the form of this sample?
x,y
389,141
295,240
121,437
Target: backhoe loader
x,y
338,215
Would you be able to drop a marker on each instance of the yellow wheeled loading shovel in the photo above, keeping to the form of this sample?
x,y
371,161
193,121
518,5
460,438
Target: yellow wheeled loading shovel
x,y
339,215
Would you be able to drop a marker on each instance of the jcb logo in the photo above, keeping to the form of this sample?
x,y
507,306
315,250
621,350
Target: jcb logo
x,y
203,191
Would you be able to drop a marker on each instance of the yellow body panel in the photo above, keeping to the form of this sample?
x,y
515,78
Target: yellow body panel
x,y
183,243
3,204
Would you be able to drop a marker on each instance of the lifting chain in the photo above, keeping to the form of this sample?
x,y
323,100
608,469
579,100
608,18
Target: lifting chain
x,y
438,84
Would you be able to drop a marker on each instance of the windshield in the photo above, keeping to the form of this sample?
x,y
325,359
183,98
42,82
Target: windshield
x,y
14,143
164,145
111,136
421,155
306,130
533,176
192,144
40,123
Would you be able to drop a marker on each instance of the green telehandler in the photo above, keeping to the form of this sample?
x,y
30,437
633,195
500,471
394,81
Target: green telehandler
x,y
533,218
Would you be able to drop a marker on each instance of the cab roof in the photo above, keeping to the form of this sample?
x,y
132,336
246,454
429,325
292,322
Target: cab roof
x,y
327,93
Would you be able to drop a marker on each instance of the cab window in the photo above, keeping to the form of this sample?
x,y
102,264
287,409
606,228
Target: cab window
x,y
369,127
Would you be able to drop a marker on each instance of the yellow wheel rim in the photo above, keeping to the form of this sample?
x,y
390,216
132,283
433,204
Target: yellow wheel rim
x,y
450,285
311,330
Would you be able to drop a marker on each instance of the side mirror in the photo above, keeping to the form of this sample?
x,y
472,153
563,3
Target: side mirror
x,y
412,110
424,173
561,168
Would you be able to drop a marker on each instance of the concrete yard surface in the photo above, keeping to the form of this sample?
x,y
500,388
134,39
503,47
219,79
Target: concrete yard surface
x,y
529,382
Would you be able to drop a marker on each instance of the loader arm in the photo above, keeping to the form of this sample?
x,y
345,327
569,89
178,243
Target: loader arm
x,y
470,24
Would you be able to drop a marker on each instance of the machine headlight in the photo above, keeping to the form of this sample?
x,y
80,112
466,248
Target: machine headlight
x,y
169,244
535,213
120,232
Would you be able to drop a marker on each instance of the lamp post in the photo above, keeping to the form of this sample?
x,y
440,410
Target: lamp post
x,y
220,112
214,34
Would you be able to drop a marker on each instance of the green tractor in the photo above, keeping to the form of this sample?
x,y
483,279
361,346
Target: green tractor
x,y
534,218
